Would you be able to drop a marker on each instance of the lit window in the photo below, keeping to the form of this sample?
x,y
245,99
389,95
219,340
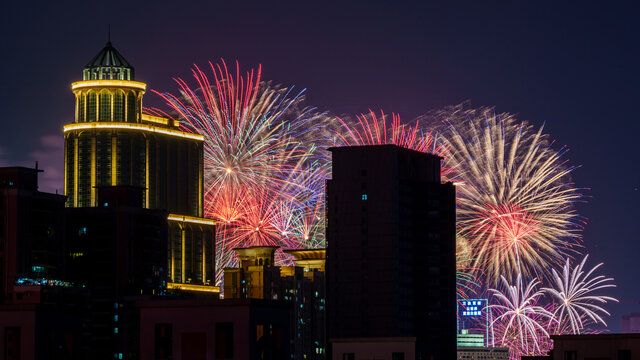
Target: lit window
x,y
364,196
115,330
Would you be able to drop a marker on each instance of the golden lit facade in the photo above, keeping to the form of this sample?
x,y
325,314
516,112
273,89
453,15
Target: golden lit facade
x,y
111,142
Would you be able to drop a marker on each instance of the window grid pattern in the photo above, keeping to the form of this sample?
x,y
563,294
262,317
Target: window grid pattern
x,y
131,107
105,106
91,106
81,99
118,106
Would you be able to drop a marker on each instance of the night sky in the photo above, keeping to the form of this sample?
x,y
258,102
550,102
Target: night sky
x,y
572,68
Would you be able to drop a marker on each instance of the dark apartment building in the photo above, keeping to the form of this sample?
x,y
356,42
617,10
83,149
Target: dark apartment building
x,y
390,255
41,313
31,230
201,329
118,251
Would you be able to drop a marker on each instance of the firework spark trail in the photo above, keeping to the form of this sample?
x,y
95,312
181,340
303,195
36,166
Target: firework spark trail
x,y
516,203
260,144
369,129
519,322
578,305
466,281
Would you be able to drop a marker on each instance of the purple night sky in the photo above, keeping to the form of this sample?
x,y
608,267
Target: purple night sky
x,y
572,68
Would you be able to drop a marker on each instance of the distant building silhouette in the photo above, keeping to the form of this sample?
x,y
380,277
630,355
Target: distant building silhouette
x,y
630,323
41,313
32,230
390,255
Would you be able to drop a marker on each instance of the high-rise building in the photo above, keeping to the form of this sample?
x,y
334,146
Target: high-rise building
x,y
112,143
390,255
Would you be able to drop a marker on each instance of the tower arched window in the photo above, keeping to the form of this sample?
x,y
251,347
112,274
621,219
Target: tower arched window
x,y
118,106
105,106
81,100
91,106
131,107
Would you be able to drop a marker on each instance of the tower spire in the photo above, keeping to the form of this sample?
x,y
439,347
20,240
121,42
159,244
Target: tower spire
x,y
109,34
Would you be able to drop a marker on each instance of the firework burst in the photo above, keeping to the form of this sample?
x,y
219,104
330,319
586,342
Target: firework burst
x,y
260,147
519,323
515,202
578,303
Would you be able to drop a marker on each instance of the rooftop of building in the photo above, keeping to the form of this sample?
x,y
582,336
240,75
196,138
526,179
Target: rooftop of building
x,y
211,302
596,336
109,56
380,146
307,254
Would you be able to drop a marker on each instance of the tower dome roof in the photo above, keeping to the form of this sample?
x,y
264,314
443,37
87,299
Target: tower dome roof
x,y
108,64
109,56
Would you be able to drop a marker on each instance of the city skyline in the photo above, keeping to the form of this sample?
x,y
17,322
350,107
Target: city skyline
x,y
565,96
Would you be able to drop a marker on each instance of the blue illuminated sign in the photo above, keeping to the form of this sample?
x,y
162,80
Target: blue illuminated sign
x,y
472,307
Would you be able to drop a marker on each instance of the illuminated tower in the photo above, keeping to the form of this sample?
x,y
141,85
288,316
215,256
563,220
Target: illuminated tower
x,y
112,143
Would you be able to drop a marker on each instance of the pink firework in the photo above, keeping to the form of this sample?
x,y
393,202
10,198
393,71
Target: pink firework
x,y
369,129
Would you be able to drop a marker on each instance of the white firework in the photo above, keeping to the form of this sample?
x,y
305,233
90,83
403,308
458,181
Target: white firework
x,y
520,323
575,292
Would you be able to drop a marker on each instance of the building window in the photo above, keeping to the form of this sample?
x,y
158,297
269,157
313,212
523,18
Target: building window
x,y
105,106
118,106
224,340
364,196
397,356
571,355
80,100
91,106
349,356
131,107
624,354
163,343
12,342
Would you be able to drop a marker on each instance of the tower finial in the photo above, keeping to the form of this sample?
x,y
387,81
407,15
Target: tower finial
x,y
109,33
